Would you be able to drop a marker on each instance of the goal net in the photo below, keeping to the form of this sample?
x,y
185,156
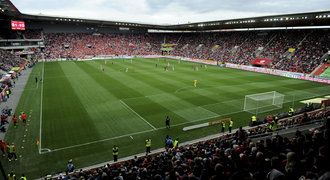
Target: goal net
x,y
263,102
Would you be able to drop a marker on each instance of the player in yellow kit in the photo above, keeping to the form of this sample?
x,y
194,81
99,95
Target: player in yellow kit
x,y
195,83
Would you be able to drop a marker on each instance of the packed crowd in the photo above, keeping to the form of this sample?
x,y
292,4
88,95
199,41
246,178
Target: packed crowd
x,y
235,47
242,47
79,45
232,156
282,121
9,60
32,34
6,112
313,47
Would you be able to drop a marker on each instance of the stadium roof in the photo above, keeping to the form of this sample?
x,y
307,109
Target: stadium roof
x,y
321,18
166,12
284,20
7,7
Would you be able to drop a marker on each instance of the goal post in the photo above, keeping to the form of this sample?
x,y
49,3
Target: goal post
x,y
263,102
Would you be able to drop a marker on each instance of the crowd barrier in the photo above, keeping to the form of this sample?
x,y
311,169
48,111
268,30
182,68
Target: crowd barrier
x,y
294,75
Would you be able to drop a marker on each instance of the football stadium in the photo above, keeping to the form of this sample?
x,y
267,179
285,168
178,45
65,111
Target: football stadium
x,y
235,98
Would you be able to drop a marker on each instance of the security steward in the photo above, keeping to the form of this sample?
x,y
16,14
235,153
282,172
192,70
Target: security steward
x,y
115,150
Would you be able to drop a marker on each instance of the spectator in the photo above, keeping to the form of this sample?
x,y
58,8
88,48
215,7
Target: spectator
x,y
229,157
275,173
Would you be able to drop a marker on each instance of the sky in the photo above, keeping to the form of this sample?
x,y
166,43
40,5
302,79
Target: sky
x,y
167,11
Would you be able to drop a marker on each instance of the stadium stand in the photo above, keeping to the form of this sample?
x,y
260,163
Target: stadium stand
x,y
257,152
289,50
80,45
32,34
9,60
234,156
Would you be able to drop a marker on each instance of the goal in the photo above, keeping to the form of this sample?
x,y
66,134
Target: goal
x,y
263,102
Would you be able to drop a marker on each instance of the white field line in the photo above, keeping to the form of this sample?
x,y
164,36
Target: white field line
x,y
203,119
186,87
160,94
166,93
202,139
132,134
191,88
141,132
208,110
127,106
128,135
102,140
41,97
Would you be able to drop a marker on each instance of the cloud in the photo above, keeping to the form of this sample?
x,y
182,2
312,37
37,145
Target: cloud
x,y
167,11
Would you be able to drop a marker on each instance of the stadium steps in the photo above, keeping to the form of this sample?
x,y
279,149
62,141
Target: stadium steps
x,y
267,45
185,47
320,69
326,73
199,47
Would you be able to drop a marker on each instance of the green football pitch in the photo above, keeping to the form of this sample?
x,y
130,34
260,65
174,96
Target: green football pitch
x,y
79,111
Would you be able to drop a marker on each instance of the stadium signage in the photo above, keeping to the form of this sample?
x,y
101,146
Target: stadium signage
x,y
294,75
18,25
226,120
276,72
211,123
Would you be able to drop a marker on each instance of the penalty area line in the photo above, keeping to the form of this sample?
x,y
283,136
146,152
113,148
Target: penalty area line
x,y
45,150
127,106
186,87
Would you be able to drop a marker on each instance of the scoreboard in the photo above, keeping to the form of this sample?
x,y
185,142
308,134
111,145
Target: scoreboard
x,y
18,25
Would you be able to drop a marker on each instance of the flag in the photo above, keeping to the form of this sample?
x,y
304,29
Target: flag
x,y
291,50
